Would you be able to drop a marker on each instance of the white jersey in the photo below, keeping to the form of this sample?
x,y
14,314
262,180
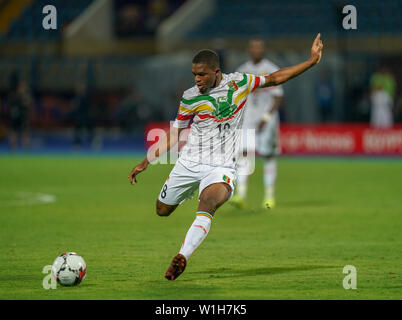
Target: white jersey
x,y
262,100
381,109
217,116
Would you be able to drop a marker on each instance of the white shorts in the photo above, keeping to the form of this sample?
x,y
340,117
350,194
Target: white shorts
x,y
187,176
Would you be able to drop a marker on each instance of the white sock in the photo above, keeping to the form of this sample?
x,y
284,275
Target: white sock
x,y
269,178
243,169
196,234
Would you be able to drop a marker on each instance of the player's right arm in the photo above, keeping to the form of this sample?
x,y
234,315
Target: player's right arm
x,y
162,146
288,73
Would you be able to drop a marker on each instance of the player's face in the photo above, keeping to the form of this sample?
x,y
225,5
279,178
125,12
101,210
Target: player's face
x,y
256,49
204,76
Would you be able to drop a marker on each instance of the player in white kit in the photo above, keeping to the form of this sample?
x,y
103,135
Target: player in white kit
x,y
208,160
261,115
381,108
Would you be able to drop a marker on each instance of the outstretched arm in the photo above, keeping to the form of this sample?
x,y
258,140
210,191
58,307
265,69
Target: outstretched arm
x,y
162,146
288,73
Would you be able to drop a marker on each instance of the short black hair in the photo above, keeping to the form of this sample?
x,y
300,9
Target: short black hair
x,y
207,56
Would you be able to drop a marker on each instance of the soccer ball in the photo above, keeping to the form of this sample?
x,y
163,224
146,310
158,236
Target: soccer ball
x,y
69,269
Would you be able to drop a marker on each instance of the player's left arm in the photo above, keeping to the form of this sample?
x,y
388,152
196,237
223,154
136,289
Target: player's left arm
x,y
285,74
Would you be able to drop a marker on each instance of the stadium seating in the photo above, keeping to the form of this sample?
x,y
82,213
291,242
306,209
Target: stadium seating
x,y
28,26
240,19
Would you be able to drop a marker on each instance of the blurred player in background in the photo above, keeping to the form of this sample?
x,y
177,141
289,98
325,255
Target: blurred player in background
x,y
82,115
20,105
262,116
382,95
208,160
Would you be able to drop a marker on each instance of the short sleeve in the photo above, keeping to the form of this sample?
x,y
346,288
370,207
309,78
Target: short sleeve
x,y
184,115
255,81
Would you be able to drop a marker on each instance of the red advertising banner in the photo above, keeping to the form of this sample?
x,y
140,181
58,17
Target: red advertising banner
x,y
340,139
323,139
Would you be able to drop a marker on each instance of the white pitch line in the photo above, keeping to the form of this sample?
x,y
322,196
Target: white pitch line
x,y
23,198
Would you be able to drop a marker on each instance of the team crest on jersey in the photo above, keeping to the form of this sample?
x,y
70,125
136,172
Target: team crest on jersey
x,y
233,85
225,110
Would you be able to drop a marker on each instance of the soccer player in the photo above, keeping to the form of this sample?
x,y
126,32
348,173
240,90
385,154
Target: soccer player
x,y
208,160
261,115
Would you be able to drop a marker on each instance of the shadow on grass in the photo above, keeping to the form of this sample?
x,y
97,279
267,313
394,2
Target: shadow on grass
x,y
256,211
236,273
229,209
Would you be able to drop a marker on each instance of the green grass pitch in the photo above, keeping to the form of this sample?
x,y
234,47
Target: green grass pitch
x,y
330,213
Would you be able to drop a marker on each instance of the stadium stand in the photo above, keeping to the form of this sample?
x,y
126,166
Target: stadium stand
x,y
240,19
9,10
27,26
142,17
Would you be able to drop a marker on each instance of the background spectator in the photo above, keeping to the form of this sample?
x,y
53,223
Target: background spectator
x,y
82,116
325,96
383,86
20,105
